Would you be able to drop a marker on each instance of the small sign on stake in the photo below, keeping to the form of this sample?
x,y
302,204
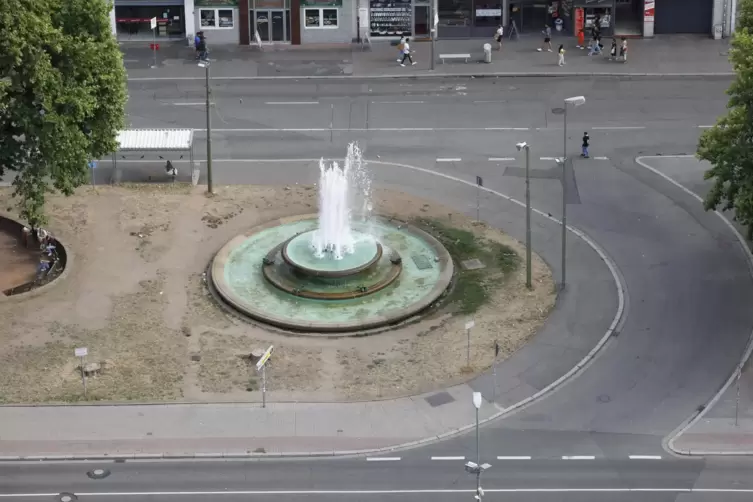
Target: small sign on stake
x,y
261,365
469,325
82,352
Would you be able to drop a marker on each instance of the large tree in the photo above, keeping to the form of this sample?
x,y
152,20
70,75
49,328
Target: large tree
x,y
728,146
62,95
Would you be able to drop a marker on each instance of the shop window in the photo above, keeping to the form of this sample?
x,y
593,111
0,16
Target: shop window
x,y
216,18
321,18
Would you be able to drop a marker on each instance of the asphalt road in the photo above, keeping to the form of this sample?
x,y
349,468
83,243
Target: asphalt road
x,y
689,292
361,479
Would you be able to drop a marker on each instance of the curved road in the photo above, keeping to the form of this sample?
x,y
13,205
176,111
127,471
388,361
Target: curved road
x,y
689,290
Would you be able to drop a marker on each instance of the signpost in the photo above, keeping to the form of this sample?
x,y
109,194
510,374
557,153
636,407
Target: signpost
x,y
468,326
153,24
81,353
92,167
261,365
479,184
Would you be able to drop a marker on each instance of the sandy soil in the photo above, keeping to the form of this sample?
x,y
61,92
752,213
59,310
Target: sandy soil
x,y
136,299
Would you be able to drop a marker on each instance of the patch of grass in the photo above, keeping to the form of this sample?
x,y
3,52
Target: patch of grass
x,y
473,288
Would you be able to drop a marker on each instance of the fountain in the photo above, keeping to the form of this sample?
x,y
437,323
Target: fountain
x,y
340,270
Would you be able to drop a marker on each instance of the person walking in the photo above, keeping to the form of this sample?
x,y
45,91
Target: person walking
x,y
613,50
498,37
406,54
624,50
561,55
586,144
547,32
400,46
595,46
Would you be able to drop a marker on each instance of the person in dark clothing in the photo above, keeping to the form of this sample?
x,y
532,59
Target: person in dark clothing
x,y
196,42
586,144
202,47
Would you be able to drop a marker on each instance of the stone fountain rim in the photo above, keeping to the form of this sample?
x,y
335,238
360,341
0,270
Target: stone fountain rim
x,y
318,272
227,295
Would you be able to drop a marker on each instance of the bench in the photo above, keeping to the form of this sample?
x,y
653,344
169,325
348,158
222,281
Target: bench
x,y
466,57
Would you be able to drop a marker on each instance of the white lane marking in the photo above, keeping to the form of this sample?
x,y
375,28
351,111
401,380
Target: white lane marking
x,y
505,128
749,255
386,492
500,159
705,127
617,128
579,457
644,457
197,103
291,102
382,459
491,101
399,102
371,129
449,159
547,158
448,458
513,457
130,60
601,158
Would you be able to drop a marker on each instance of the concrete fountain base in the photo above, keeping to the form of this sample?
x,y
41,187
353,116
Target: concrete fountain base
x,y
249,274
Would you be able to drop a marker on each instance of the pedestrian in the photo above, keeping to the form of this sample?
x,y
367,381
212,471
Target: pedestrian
x,y
406,54
547,32
624,50
203,53
561,55
400,46
498,37
196,42
586,141
595,46
613,50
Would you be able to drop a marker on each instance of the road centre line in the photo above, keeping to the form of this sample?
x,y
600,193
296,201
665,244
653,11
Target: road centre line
x,y
383,492
617,128
547,158
579,457
501,159
644,457
448,458
195,103
291,102
601,158
513,457
449,159
399,102
705,127
382,459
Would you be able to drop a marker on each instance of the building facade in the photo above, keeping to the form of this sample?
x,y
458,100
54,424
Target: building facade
x,y
249,22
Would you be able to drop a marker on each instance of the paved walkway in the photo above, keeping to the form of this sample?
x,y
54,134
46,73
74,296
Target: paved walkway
x,y
660,55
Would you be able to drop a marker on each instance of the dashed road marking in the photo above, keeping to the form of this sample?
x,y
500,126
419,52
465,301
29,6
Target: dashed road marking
x,y
448,458
195,103
291,102
601,158
617,128
644,457
547,158
382,459
449,160
514,457
500,159
705,127
399,102
579,457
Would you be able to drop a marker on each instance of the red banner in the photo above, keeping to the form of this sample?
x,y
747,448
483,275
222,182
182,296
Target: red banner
x,y
580,20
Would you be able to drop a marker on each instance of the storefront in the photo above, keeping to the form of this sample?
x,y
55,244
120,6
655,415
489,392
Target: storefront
x,y
133,19
218,19
269,21
327,21
683,16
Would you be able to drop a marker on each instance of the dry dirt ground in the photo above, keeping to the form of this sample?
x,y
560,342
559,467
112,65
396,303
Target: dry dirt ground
x,y
135,297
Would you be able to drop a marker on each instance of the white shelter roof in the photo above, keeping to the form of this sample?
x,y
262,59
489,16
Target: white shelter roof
x,y
142,140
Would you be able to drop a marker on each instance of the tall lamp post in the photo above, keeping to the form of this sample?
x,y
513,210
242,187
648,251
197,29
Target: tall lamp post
x,y
210,187
434,23
525,146
574,102
477,467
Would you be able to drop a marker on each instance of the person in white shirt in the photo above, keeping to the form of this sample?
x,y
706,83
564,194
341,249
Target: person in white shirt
x,y
406,54
400,45
498,37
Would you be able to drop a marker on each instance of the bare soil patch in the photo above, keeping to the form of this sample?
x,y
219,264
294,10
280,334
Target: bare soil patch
x,y
136,298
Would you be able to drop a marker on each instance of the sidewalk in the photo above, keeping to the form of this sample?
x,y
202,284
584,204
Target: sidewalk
x,y
717,432
663,55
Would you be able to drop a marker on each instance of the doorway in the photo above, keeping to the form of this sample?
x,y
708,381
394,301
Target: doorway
x,y
421,21
272,25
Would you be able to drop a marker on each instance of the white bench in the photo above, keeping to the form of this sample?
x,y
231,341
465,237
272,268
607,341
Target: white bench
x,y
466,57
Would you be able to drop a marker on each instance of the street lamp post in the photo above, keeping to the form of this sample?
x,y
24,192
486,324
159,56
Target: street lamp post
x,y
477,467
210,187
525,146
434,22
574,101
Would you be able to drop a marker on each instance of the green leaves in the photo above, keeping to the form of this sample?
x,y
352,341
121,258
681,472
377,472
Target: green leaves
x,y
62,95
728,145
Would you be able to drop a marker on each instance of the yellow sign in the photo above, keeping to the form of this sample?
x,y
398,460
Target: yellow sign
x,y
263,359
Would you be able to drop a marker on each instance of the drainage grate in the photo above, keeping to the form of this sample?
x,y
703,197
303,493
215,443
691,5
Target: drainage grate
x,y
421,261
439,399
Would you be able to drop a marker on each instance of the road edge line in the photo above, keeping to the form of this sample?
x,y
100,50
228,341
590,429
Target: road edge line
x,y
694,419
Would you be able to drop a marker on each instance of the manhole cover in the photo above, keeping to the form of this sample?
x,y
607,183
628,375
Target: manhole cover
x,y
439,399
98,473
421,261
473,264
67,497
604,398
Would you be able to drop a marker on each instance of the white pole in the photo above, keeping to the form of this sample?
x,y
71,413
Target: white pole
x,y
83,374
737,400
264,386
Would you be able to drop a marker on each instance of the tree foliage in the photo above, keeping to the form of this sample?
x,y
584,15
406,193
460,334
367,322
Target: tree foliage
x,y
62,95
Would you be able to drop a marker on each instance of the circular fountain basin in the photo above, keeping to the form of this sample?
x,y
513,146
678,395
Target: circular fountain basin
x,y
298,252
397,289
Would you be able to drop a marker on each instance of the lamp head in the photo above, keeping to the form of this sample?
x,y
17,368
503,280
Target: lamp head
x,y
521,146
203,64
576,100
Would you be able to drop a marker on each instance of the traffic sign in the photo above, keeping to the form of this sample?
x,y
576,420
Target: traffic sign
x,y
469,325
81,352
153,22
263,359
